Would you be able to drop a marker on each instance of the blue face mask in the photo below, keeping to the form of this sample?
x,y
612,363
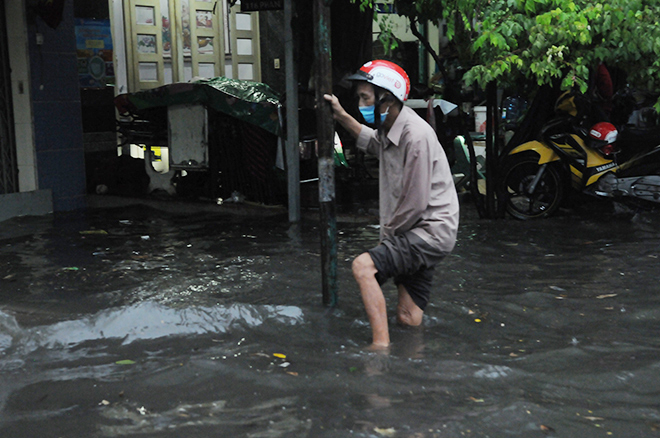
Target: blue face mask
x,y
368,114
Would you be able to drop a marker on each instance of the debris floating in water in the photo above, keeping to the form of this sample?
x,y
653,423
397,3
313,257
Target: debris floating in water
x,y
600,297
89,232
546,429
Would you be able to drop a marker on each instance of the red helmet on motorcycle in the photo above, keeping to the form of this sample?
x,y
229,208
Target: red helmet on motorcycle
x,y
604,132
602,136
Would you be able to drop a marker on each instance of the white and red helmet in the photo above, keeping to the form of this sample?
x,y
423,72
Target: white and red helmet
x,y
387,75
602,137
604,132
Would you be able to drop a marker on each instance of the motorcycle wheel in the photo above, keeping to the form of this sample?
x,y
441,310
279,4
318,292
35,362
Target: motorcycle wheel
x,y
518,174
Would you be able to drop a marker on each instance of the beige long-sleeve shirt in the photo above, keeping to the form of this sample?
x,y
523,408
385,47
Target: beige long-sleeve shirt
x,y
416,186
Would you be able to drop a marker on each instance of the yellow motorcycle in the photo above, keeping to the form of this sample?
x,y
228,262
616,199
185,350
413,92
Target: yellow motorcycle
x,y
600,161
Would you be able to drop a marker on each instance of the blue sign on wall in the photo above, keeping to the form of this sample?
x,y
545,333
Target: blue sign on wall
x,y
94,49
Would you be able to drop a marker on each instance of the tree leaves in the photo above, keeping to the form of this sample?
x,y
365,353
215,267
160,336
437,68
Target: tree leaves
x,y
547,41
619,32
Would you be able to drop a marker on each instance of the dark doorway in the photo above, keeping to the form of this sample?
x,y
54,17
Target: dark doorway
x,y
8,166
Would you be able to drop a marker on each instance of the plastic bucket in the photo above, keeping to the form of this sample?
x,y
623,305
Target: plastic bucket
x,y
479,119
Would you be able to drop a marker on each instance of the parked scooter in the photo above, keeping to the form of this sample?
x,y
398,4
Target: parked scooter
x,y
598,160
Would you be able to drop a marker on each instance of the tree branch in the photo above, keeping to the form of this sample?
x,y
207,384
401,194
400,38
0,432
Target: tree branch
x,y
425,42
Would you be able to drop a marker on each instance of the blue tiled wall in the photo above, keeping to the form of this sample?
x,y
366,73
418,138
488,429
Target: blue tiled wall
x,y
57,111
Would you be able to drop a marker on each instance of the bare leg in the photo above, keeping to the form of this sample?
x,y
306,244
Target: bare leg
x,y
364,272
407,312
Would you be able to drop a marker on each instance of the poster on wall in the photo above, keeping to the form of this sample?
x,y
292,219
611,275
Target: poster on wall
x,y
94,48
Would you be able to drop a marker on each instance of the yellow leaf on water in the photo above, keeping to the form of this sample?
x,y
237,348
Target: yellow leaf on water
x,y
385,432
546,429
280,355
600,297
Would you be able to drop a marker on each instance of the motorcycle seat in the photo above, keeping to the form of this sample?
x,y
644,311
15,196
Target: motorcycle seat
x,y
638,139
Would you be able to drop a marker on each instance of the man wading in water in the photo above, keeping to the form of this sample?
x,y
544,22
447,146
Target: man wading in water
x,y
418,202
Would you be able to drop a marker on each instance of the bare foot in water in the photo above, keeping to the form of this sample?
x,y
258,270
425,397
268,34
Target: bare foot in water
x,y
379,348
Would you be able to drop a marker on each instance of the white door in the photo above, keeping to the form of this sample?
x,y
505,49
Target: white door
x,y
242,60
202,38
149,46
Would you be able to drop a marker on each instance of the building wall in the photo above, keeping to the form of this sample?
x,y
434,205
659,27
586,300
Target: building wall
x,y
30,200
56,110
20,84
271,34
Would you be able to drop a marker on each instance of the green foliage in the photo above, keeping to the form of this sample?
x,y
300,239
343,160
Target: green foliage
x,y
386,36
560,41
364,4
547,41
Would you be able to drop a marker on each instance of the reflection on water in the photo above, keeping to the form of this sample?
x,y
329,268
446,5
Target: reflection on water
x,y
139,323
144,321
276,418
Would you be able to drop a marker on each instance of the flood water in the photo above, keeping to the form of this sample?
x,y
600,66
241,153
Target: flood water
x,y
134,322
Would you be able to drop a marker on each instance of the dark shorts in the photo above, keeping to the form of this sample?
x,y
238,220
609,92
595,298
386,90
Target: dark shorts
x,y
410,261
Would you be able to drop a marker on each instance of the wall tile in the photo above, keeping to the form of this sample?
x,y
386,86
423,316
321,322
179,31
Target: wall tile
x,y
55,77
24,145
58,125
27,178
63,171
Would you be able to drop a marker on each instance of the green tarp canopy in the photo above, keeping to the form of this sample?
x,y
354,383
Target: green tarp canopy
x,y
252,102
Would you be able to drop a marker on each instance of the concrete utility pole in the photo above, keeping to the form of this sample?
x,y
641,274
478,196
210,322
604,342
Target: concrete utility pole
x,y
292,154
325,137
